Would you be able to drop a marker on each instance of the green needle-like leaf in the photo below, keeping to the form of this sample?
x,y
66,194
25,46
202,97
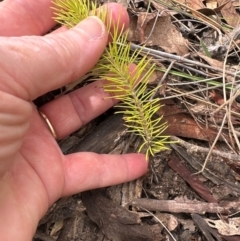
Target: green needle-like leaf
x,y
130,87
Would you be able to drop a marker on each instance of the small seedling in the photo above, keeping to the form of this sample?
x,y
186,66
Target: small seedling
x,y
130,87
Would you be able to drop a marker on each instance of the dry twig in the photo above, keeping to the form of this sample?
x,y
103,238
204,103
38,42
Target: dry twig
x,y
186,206
194,149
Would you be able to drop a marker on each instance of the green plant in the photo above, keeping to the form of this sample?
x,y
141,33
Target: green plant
x,y
130,87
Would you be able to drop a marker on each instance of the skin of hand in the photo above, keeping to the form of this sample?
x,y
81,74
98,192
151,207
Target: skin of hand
x,y
33,171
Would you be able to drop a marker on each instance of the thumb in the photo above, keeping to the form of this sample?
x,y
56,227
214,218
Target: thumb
x,y
46,63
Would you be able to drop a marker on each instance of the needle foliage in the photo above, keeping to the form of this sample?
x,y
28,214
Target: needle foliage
x,y
130,87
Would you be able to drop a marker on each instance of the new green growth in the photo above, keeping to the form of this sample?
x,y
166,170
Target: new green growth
x,y
136,103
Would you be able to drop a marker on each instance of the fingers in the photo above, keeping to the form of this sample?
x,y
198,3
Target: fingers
x,y
25,17
85,171
14,123
42,64
69,112
117,16
45,63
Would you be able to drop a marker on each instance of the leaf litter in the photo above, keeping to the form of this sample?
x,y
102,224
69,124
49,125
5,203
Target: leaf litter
x,y
196,49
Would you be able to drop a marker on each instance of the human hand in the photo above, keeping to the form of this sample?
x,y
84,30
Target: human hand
x,y
33,171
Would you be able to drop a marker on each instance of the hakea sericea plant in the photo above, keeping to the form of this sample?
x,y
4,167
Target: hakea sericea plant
x,y
136,103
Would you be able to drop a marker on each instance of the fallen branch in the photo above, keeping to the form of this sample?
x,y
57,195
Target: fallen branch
x,y
170,57
194,149
187,206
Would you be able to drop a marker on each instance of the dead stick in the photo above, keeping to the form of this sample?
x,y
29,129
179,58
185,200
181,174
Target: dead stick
x,y
194,148
173,206
170,57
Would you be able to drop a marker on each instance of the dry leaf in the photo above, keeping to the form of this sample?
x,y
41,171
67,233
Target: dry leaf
x,y
236,4
154,77
163,10
58,225
164,34
168,220
229,13
217,98
183,125
187,224
212,11
210,61
143,20
194,4
211,4
232,227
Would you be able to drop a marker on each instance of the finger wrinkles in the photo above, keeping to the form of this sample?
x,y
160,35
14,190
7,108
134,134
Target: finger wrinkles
x,y
14,123
62,115
10,74
68,113
91,101
43,64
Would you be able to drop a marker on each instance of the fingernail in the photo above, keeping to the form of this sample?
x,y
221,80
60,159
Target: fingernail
x,y
93,27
